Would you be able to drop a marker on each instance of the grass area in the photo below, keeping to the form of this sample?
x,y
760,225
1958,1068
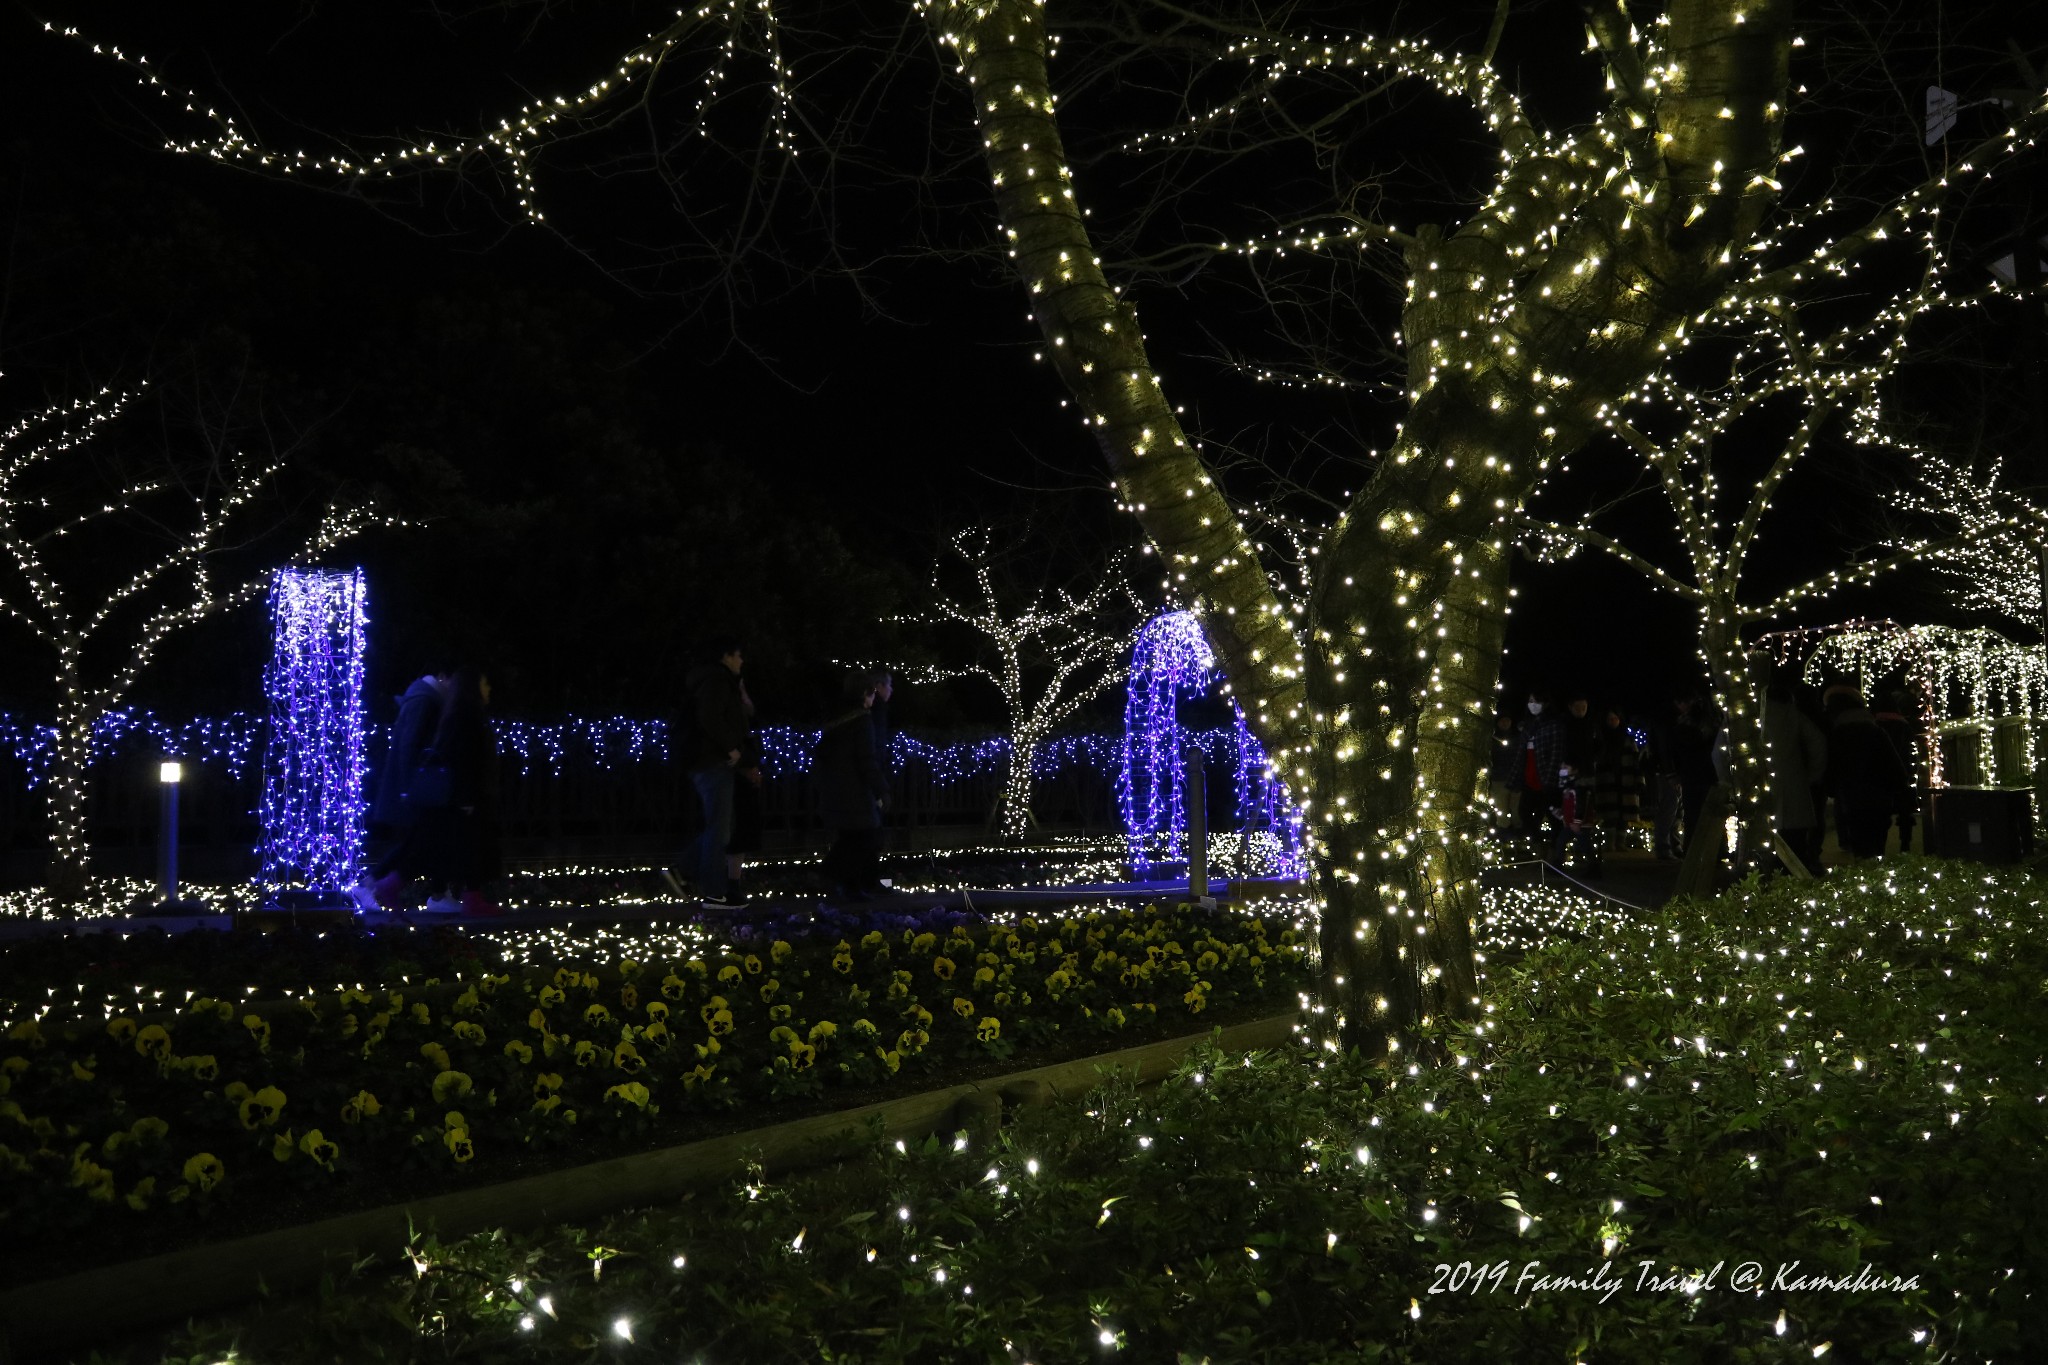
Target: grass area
x,y
1819,1081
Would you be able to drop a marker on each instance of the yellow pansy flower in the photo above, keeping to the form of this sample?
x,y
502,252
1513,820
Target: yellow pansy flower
x,y
204,1171
989,1029
452,1085
632,1092
152,1040
263,1107
315,1145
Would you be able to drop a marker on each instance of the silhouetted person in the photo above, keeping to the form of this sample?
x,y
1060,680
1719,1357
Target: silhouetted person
x,y
718,708
397,809
1617,772
463,834
1542,754
1692,757
1796,756
851,791
1864,773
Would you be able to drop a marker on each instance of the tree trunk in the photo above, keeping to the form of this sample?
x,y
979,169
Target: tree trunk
x,y
1015,816
68,784
1407,632
1737,699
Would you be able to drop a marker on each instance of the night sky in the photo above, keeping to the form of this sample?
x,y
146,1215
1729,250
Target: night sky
x,y
613,449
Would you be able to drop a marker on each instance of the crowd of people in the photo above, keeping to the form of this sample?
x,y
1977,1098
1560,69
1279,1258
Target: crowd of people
x,y
433,825
1570,779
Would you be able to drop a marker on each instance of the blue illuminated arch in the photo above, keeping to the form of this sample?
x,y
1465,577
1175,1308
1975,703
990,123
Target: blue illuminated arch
x,y
1171,662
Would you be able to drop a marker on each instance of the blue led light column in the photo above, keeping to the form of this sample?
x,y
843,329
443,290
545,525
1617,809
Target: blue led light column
x,y
313,762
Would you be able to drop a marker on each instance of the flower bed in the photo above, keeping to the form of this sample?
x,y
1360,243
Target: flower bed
x,y
1844,1076
581,1046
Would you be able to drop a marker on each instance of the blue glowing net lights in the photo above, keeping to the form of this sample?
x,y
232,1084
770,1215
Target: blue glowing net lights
x,y
1171,663
312,806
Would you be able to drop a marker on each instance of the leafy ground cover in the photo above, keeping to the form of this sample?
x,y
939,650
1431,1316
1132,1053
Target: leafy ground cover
x,y
1836,1088
127,1131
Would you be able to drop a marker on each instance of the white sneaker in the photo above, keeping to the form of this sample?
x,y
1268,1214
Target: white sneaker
x,y
441,905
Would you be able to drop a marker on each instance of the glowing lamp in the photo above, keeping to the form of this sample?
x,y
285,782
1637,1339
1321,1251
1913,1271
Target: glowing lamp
x,y
170,772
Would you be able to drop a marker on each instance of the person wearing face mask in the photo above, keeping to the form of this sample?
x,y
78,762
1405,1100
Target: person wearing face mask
x,y
1542,755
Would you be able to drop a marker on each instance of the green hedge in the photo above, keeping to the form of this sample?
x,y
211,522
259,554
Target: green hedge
x,y
1846,1075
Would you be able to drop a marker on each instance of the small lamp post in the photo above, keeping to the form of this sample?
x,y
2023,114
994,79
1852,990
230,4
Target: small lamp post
x,y
170,774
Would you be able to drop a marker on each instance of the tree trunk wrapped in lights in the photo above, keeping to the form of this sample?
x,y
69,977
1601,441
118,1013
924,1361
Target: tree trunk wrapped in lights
x,y
1553,299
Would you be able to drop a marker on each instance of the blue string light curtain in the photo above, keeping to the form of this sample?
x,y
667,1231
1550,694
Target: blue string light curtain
x,y
313,805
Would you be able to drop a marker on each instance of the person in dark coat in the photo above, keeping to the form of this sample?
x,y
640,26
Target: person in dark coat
x,y
1504,770
718,710
1796,752
749,811
852,789
1865,774
1617,773
1542,755
1897,723
1581,735
395,820
463,834
1692,757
